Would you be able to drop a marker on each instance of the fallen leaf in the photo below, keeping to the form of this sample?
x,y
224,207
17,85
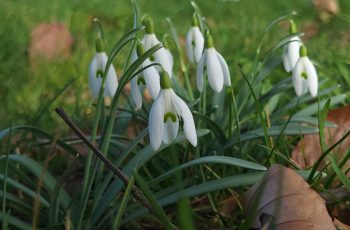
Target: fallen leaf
x,y
50,41
283,200
340,225
308,150
326,9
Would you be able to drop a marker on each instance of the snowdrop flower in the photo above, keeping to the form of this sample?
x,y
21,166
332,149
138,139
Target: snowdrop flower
x,y
305,75
290,54
194,41
97,67
149,78
164,116
149,40
214,66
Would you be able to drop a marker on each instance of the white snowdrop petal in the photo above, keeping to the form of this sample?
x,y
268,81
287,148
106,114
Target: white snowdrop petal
x,y
225,70
149,40
200,70
170,130
155,123
189,47
162,58
312,78
294,50
171,60
214,71
151,76
111,83
93,81
185,113
297,79
198,43
285,59
136,94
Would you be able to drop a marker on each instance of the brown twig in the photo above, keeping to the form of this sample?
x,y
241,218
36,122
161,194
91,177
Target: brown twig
x,y
137,193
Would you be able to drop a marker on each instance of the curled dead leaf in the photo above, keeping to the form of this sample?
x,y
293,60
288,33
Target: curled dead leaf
x,y
340,225
308,150
50,41
283,200
329,6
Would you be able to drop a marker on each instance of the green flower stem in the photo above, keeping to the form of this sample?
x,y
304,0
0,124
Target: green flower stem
x,y
188,83
184,68
238,125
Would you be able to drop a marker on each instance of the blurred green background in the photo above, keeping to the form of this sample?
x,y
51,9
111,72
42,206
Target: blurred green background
x,y
237,27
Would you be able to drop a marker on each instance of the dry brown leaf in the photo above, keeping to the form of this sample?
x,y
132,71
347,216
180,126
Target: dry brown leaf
x,y
329,6
50,41
326,9
284,198
340,225
308,150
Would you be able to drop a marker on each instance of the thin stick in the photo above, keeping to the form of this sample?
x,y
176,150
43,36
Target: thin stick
x,y
137,193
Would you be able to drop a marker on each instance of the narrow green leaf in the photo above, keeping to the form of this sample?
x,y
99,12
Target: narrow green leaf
x,y
5,132
18,223
291,129
342,177
136,162
212,160
203,188
312,109
158,211
123,204
218,132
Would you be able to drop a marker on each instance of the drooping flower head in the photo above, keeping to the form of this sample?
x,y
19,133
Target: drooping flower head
x,y
214,66
290,54
165,115
194,41
149,40
96,71
304,75
148,77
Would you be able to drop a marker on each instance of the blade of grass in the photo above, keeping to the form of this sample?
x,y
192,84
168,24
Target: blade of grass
x,y
5,220
342,177
211,160
123,204
158,211
318,162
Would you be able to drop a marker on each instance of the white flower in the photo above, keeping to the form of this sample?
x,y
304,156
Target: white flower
x,y
290,54
148,77
305,75
215,67
164,116
149,40
97,66
194,41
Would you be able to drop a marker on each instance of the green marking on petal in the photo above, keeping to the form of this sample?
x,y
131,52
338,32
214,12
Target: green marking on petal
x,y
171,116
141,81
99,73
152,58
304,75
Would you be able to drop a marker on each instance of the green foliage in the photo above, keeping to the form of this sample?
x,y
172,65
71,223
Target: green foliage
x,y
241,131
